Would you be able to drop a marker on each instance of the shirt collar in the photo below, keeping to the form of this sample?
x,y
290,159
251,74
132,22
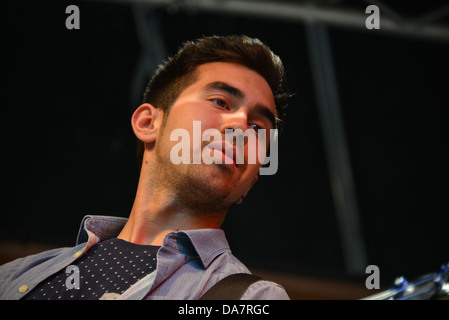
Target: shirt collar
x,y
206,243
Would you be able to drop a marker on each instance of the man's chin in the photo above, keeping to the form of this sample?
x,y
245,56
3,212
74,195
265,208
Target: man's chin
x,y
210,186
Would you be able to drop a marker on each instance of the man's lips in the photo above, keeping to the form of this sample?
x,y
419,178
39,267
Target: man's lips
x,y
226,151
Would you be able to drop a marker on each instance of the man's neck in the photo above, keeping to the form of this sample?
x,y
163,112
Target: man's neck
x,y
155,214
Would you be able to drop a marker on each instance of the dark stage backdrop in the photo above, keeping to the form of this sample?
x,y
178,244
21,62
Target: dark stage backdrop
x,y
68,149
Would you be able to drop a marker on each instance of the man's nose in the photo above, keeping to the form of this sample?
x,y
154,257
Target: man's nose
x,y
235,120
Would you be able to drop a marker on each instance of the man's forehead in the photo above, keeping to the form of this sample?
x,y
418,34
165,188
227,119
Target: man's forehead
x,y
215,69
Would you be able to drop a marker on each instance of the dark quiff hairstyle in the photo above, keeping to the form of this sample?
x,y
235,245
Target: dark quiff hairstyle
x,y
178,72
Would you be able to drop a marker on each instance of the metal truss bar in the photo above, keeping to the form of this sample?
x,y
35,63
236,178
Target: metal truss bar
x,y
337,156
153,51
303,12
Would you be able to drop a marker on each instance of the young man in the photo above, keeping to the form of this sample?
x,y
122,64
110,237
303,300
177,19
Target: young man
x,y
172,247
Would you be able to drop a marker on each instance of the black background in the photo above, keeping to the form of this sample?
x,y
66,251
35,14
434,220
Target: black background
x,y
68,148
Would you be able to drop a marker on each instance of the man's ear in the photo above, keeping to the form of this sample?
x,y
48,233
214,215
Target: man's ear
x,y
146,121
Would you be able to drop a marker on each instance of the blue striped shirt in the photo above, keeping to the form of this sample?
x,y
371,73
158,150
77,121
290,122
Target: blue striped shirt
x,y
189,262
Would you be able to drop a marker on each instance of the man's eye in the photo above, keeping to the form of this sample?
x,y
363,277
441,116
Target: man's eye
x,y
255,127
219,102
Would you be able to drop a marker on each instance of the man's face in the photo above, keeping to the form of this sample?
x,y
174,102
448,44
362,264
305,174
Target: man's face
x,y
224,96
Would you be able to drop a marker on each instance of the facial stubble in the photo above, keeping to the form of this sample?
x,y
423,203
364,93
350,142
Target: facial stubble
x,y
197,186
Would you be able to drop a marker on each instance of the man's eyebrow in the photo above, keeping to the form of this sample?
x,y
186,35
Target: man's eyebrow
x,y
223,86
265,112
239,94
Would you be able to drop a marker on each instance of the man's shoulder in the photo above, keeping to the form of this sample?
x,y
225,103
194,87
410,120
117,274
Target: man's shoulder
x,y
262,289
34,259
30,269
265,290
